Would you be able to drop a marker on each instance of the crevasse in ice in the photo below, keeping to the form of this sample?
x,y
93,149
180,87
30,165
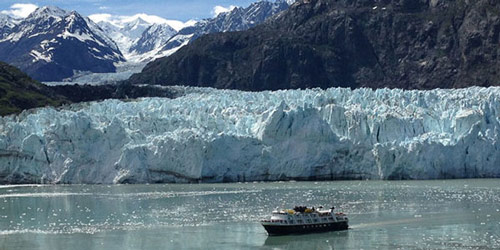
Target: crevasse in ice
x,y
222,135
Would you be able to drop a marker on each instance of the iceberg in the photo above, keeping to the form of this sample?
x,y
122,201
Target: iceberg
x,y
210,135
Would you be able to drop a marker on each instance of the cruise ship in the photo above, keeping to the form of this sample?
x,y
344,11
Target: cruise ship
x,y
302,220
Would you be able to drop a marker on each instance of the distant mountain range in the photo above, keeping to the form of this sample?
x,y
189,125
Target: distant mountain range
x,y
408,44
142,41
53,44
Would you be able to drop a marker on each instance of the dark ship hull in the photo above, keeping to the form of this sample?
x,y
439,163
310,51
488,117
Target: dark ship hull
x,y
304,229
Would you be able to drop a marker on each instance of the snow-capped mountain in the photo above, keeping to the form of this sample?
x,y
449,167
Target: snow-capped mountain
x,y
52,43
152,39
220,135
235,20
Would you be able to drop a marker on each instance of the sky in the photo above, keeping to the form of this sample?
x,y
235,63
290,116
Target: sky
x,y
182,10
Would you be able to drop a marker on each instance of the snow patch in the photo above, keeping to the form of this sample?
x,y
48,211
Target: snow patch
x,y
41,56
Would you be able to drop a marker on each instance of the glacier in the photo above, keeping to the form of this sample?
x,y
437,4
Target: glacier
x,y
209,135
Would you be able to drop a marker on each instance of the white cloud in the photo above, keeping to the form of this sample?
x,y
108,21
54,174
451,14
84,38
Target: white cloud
x,y
178,25
190,22
101,17
221,9
20,10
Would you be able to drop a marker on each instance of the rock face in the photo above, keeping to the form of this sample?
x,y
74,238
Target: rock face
x,y
51,43
19,92
221,135
235,20
410,44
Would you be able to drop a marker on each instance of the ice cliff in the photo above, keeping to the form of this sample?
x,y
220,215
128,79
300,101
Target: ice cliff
x,y
220,135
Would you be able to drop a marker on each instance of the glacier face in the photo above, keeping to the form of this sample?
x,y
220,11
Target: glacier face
x,y
221,135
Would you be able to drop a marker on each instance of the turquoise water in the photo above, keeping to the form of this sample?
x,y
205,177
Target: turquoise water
x,y
454,214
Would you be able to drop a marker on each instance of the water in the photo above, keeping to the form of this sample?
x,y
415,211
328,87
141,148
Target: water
x,y
455,214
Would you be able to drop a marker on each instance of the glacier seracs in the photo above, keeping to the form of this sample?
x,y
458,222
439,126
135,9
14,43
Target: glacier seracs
x,y
223,135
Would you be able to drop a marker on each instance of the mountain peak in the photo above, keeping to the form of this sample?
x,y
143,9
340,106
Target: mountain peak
x,y
47,11
140,20
136,24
